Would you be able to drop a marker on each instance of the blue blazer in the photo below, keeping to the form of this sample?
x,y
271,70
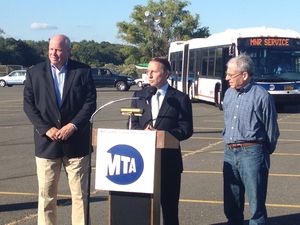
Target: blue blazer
x,y
78,104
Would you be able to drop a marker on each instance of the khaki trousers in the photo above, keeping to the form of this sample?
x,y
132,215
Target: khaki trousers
x,y
48,173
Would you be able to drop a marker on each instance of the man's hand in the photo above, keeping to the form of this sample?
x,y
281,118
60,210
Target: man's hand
x,y
52,133
65,132
149,127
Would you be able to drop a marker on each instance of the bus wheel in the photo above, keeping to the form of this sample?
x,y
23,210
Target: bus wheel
x,y
218,102
220,106
191,93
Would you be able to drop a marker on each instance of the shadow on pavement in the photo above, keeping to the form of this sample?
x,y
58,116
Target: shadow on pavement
x,y
33,205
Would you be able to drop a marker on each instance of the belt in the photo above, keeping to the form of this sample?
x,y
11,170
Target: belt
x,y
241,145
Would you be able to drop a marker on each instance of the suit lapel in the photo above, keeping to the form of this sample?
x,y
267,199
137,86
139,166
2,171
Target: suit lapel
x,y
147,112
50,84
68,81
164,106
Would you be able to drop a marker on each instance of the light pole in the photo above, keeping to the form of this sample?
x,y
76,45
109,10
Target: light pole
x,y
152,20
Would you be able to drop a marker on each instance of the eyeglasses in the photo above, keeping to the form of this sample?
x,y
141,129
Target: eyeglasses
x,y
233,75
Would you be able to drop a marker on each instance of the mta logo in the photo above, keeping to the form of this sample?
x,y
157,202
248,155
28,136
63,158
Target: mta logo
x,y
125,164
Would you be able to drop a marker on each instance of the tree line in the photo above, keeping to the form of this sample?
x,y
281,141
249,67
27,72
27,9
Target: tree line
x,y
28,53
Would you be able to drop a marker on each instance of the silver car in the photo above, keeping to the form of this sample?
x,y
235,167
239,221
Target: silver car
x,y
15,77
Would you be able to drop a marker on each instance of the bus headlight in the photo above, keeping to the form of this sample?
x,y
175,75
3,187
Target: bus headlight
x,y
272,87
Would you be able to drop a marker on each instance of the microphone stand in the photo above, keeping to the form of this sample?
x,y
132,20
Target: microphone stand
x,y
87,219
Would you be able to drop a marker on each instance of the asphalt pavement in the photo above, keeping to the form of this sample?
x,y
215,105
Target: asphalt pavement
x,y
201,200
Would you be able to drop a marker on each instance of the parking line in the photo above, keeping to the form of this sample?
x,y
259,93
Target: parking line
x,y
220,129
202,149
275,153
206,138
181,200
220,172
26,218
289,122
246,203
216,138
12,100
286,154
202,172
29,194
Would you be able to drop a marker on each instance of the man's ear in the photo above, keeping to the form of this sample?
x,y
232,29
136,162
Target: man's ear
x,y
246,75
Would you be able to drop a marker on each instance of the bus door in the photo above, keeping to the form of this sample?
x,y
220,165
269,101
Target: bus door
x,y
228,53
176,69
185,70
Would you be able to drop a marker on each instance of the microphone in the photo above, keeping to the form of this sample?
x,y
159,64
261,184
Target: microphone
x,y
112,102
150,92
132,111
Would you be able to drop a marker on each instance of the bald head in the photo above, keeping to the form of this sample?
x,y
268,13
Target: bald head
x,y
59,50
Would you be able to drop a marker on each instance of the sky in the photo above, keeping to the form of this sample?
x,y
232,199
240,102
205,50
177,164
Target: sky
x,y
96,19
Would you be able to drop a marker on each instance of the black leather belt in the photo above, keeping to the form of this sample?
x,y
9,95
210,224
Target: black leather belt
x,y
241,145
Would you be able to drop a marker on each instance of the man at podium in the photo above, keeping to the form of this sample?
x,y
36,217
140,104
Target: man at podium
x,y
169,110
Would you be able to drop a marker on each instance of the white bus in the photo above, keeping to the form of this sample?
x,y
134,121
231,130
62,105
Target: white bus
x,y
199,65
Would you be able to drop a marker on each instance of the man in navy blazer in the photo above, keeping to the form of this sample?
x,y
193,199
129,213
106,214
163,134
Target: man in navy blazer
x,y
59,98
174,116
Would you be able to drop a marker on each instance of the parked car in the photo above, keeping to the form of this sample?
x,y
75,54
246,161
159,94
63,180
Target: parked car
x,y
15,77
142,82
104,77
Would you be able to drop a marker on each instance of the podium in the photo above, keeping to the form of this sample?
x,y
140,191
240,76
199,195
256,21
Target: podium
x,y
136,207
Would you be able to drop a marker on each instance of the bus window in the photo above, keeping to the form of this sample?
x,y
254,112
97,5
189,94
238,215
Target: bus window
x,y
219,63
275,65
191,62
198,62
179,64
176,67
204,62
297,63
211,62
173,62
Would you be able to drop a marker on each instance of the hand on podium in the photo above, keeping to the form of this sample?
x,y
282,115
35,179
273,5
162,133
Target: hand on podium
x,y
149,127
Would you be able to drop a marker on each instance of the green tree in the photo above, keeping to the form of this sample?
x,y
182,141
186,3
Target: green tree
x,y
97,54
166,21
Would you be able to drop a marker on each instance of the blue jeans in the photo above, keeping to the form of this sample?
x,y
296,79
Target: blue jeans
x,y
246,169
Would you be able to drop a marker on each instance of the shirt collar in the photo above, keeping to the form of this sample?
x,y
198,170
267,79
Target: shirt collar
x,y
163,89
63,68
246,88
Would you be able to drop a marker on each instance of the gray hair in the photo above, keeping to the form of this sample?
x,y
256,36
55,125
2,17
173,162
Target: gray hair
x,y
243,63
66,40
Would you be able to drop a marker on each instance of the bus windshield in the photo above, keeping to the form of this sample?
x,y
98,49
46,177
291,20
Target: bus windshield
x,y
275,65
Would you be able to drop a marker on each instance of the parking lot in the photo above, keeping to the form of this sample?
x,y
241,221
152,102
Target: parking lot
x,y
201,192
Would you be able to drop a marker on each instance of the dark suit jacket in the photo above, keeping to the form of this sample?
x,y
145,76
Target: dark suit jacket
x,y
78,104
175,116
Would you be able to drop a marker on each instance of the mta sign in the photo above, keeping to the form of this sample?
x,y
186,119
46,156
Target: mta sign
x,y
125,164
125,160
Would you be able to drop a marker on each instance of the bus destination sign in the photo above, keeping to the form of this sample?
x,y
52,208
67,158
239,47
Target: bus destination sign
x,y
269,42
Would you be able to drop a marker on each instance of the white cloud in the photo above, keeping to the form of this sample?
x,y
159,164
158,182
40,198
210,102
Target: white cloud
x,y
42,26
